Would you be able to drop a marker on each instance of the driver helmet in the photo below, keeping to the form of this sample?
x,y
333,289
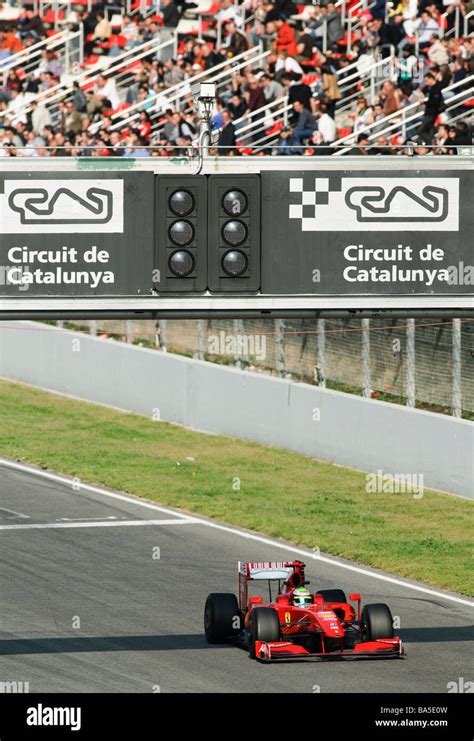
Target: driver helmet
x,y
301,597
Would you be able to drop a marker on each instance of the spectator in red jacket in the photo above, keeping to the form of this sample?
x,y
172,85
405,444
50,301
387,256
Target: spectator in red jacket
x,y
286,39
144,127
9,42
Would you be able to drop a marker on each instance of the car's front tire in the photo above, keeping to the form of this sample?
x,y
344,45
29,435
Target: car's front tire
x,y
264,626
222,617
377,622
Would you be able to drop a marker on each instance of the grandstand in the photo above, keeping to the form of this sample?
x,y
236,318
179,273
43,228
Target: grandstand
x,y
115,77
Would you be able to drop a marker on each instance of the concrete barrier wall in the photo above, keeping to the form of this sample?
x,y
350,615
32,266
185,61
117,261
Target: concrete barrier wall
x,y
329,425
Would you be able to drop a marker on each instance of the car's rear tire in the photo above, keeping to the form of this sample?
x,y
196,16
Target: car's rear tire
x,y
264,626
333,595
222,617
377,622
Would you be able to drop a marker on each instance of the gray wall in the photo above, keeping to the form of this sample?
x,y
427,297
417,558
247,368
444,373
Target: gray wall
x,y
352,431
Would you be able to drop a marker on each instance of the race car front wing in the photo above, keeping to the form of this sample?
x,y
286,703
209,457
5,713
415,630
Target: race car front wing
x,y
284,650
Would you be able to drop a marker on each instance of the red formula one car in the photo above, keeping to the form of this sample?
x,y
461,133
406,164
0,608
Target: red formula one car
x,y
297,623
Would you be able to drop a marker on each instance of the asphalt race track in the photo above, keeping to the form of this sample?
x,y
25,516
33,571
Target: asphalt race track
x,y
70,554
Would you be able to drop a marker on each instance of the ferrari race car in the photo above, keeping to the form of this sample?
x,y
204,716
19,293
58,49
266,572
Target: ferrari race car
x,y
298,624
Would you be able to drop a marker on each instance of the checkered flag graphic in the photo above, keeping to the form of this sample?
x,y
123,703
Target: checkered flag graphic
x,y
314,196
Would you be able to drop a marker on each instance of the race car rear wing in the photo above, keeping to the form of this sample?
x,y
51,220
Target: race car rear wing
x,y
291,572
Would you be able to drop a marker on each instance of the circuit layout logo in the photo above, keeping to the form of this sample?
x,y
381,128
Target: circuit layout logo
x,y
58,206
335,203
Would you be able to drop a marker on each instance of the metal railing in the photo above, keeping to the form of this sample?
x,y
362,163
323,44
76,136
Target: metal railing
x,y
258,133
252,131
144,8
185,103
120,64
41,6
354,23
192,151
466,22
68,45
407,119
364,80
179,91
220,24
372,78
56,6
455,30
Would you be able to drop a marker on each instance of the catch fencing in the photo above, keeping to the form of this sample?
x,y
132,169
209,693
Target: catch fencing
x,y
423,362
325,424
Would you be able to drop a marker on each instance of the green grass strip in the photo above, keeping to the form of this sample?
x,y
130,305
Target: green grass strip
x,y
272,491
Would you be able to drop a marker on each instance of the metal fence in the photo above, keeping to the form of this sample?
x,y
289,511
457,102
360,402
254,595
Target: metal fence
x,y
418,362
342,428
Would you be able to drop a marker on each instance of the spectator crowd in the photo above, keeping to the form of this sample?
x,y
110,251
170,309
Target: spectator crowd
x,y
45,112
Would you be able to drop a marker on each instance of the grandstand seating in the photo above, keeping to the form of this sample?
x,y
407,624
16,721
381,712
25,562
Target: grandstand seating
x,y
70,53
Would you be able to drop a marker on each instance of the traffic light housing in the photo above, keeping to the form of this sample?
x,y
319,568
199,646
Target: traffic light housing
x,y
234,232
181,234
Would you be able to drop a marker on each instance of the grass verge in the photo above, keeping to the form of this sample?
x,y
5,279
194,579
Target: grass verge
x,y
282,494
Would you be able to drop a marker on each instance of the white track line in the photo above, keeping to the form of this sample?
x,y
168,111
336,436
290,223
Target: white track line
x,y
15,514
234,531
85,519
118,523
78,485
